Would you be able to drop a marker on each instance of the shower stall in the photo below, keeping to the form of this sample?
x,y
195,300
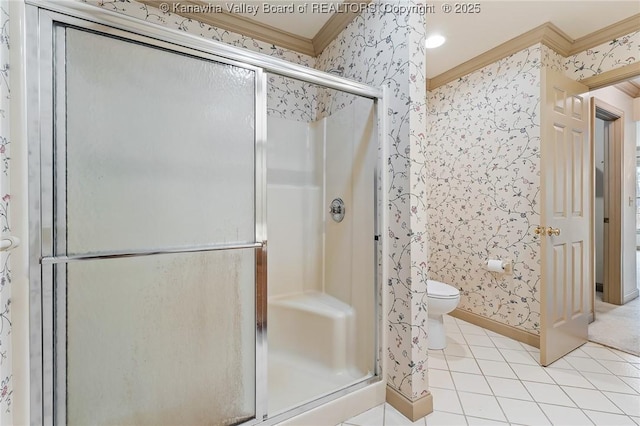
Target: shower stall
x,y
204,227
321,268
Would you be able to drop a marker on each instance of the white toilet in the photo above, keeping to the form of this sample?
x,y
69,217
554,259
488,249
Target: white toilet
x,y
441,299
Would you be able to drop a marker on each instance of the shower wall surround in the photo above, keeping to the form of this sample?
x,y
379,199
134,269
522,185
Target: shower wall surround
x,y
483,133
377,49
6,376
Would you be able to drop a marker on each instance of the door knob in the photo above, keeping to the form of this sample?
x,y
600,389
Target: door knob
x,y
539,230
553,231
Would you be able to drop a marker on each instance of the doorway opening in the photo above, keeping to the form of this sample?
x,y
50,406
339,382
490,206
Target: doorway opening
x,y
608,139
615,303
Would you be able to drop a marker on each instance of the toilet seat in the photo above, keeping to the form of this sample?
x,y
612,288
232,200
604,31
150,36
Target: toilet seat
x,y
440,290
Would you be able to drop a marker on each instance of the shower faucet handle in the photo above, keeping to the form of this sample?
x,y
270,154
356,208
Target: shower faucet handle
x,y
337,209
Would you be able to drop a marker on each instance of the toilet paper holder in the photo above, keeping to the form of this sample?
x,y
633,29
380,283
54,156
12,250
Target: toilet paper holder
x,y
501,266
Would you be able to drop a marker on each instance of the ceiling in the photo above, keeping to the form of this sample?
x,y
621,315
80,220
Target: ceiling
x,y
499,21
469,35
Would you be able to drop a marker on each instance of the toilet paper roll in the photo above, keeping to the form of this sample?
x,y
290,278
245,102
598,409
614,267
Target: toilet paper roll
x,y
495,265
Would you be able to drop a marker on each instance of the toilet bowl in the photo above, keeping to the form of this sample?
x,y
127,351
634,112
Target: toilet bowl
x,y
441,299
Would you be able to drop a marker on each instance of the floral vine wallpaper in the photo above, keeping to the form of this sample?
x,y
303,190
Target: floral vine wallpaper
x,y
617,53
6,376
151,14
552,59
291,99
483,133
483,138
418,209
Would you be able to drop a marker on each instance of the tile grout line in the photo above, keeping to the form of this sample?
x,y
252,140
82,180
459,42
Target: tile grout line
x,y
599,390
518,379
562,389
595,387
485,377
634,392
455,388
570,368
564,406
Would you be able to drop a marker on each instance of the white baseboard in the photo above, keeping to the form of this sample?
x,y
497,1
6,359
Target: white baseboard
x,y
629,297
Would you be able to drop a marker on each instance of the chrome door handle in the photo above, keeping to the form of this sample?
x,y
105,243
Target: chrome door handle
x,y
553,231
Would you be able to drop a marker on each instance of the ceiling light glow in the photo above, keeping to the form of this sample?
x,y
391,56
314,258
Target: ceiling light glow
x,y
434,41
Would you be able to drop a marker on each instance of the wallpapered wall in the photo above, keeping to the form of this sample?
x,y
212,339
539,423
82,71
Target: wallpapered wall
x,y
605,57
483,178
377,49
483,149
151,14
6,376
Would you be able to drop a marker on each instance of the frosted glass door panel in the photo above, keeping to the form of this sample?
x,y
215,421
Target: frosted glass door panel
x,y
159,148
161,340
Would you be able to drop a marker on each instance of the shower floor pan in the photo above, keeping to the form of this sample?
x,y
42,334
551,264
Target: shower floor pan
x,y
311,349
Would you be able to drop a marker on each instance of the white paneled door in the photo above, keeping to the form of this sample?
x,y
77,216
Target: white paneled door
x,y
565,216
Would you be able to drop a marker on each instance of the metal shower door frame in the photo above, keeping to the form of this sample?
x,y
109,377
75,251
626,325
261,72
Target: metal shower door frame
x,y
42,17
46,49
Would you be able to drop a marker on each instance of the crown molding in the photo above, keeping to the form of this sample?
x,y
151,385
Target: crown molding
x,y
606,34
556,39
612,77
335,25
547,34
245,26
266,33
629,88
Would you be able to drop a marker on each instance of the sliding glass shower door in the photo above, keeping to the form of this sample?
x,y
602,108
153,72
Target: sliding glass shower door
x,y
149,234
148,186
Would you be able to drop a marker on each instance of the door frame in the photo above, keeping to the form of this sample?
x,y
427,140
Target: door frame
x,y
612,285
605,79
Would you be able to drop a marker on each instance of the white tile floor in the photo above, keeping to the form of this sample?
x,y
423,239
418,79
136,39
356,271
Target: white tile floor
x,y
482,378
